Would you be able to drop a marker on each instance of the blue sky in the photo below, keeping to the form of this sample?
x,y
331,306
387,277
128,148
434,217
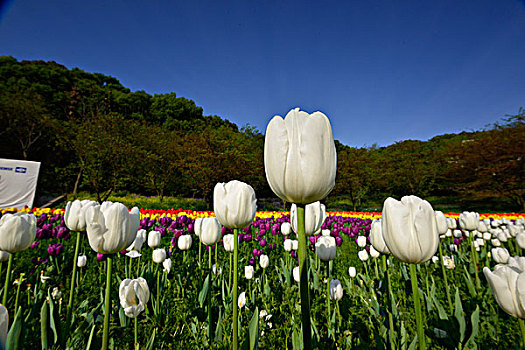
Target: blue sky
x,y
383,71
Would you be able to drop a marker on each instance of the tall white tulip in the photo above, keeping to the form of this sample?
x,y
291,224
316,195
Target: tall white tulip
x,y
507,283
264,261
184,242
361,241
468,220
134,295
286,228
325,248
111,227
300,158
210,230
376,237
197,227
159,255
314,216
154,239
352,271
363,255
75,214
234,204
248,272
17,232
409,229
288,245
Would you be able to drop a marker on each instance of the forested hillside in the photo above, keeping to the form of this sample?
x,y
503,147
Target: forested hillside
x,y
91,133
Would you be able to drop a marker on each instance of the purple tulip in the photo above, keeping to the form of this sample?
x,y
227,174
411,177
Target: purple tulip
x,y
35,245
101,257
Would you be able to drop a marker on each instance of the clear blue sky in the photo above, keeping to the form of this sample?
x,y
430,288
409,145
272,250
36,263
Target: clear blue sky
x,y
383,71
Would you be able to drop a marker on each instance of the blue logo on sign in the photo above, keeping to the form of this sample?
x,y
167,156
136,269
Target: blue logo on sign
x,y
20,169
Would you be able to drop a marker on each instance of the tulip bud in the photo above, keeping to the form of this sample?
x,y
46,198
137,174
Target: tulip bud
x,y
336,290
314,216
506,283
167,264
325,248
228,242
159,255
74,215
264,261
133,295
376,237
111,228
154,239
500,255
296,274
363,255
210,230
300,158
184,242
361,241
352,272
81,261
234,204
17,232
248,272
286,228
441,222
468,220
409,229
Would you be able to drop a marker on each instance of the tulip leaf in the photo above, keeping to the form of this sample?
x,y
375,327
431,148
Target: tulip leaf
x,y
44,319
393,305
474,320
254,330
460,316
314,328
468,280
151,340
403,336
90,339
441,311
204,291
52,317
218,329
12,341
413,344
122,317
267,289
297,340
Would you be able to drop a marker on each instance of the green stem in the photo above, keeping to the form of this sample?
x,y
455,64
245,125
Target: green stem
x,y
136,332
417,308
235,291
522,328
376,269
158,293
7,278
230,275
200,254
210,320
474,259
443,271
18,294
303,283
73,280
328,298
389,301
105,336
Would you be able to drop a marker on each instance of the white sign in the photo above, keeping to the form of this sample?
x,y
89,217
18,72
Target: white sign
x,y
18,179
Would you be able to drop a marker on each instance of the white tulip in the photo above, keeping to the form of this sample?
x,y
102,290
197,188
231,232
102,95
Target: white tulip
x,y
500,255
453,248
520,238
17,232
336,290
228,242
134,295
374,253
300,158
197,227
468,220
409,229
325,232
139,241
435,259
452,224
74,216
215,270
314,216
507,283
234,204
154,239
286,228
361,241
376,237
133,254
288,245
487,236
210,230
296,274
264,261
448,262
159,255
241,300
248,272
295,244
325,248
495,242
352,271
363,255
184,242
81,260
482,227
167,264
441,222
111,228
457,233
